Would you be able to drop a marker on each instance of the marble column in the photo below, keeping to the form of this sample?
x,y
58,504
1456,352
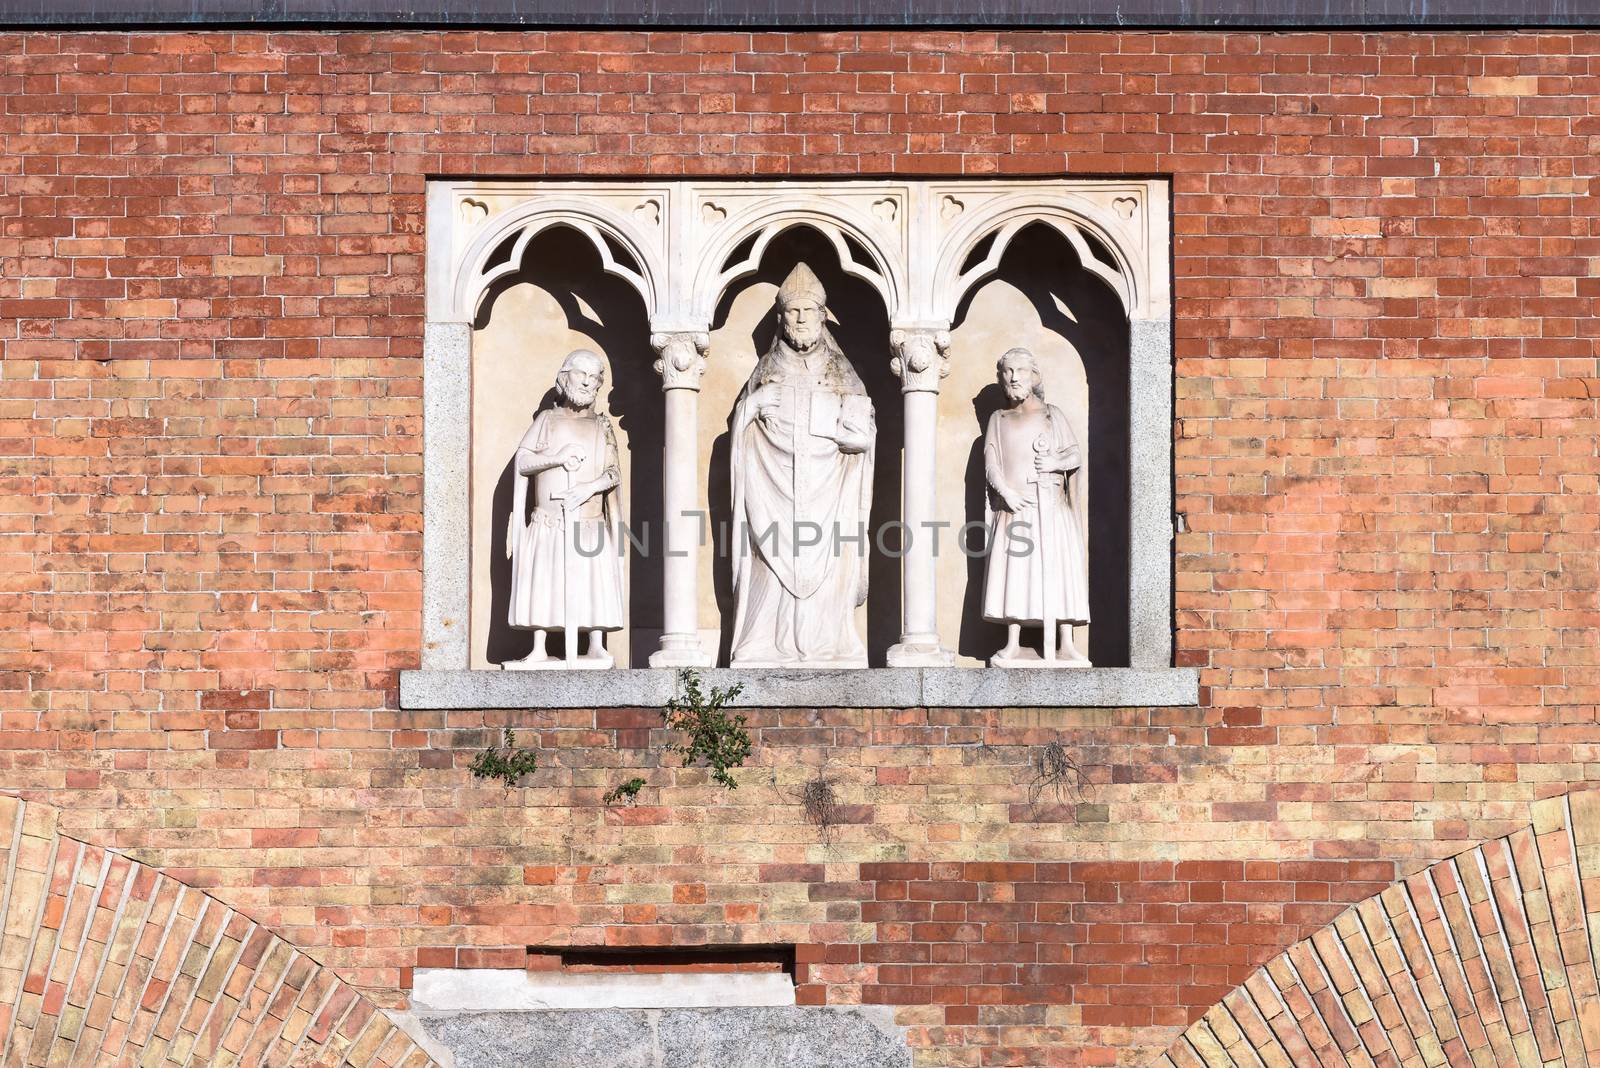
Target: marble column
x,y
920,360
681,360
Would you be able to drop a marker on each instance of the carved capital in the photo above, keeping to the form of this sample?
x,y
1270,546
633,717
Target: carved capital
x,y
921,358
680,357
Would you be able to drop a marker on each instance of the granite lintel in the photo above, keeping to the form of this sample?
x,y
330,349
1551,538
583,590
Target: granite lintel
x,y
802,688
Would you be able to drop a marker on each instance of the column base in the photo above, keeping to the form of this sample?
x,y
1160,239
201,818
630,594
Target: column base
x,y
679,651
920,654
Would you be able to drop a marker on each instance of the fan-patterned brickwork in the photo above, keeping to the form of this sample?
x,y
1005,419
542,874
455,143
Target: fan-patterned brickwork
x,y
1486,959
105,961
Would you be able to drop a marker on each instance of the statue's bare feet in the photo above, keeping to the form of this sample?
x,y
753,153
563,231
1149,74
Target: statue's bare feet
x,y
1067,652
1009,656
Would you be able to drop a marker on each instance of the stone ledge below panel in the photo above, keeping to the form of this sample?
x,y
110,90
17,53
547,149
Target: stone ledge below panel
x,y
800,688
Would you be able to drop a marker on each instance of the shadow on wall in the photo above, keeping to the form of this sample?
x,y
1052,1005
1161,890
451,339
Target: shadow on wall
x,y
1083,310
861,326
608,310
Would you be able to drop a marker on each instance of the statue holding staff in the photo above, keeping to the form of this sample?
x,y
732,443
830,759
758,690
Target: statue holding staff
x,y
1038,566
566,562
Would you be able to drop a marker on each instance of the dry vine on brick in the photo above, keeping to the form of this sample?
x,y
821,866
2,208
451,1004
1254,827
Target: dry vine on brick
x,y
821,804
1056,772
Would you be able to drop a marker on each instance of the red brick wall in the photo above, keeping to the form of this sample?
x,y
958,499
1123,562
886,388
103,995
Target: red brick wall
x,y
210,312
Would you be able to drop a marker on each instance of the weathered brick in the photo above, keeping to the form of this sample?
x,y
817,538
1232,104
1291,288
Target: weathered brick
x,y
1385,461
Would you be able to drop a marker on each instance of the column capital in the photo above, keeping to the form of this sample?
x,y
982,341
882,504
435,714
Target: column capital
x,y
921,357
680,357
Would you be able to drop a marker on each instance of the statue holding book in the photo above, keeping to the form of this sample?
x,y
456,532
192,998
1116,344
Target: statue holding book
x,y
1038,564
802,453
563,533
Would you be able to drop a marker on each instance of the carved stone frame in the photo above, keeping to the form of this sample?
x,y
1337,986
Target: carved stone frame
x,y
673,242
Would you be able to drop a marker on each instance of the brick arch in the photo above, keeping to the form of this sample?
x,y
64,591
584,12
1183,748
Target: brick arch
x,y
104,960
1491,957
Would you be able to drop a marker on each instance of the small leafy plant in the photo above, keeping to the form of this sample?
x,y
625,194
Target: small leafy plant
x,y
508,764
628,791
710,734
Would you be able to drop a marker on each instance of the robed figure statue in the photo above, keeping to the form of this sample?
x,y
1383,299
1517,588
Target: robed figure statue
x,y
1038,563
566,561
802,450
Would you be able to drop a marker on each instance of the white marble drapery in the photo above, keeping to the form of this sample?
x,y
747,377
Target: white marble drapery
x,y
921,245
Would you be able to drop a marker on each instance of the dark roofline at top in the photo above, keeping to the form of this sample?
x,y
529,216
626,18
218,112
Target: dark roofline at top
x,y
808,14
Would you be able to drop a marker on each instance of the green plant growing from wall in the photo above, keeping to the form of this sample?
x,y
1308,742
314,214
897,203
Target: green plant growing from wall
x,y
507,764
710,734
628,791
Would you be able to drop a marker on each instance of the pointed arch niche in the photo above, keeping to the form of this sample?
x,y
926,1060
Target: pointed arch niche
x,y
1035,292
556,297
672,283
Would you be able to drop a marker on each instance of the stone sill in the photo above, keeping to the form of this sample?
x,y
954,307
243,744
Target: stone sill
x,y
800,688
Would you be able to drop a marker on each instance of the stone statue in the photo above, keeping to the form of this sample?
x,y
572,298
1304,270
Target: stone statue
x,y
566,564
1038,564
802,445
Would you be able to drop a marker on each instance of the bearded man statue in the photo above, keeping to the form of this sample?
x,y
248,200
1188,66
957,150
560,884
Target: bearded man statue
x,y
802,450
1038,563
566,561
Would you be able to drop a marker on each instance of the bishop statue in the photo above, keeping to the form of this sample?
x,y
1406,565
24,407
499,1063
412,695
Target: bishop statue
x,y
802,450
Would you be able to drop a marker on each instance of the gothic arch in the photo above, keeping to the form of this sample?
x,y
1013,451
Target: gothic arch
x,y
1004,219
714,272
607,230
